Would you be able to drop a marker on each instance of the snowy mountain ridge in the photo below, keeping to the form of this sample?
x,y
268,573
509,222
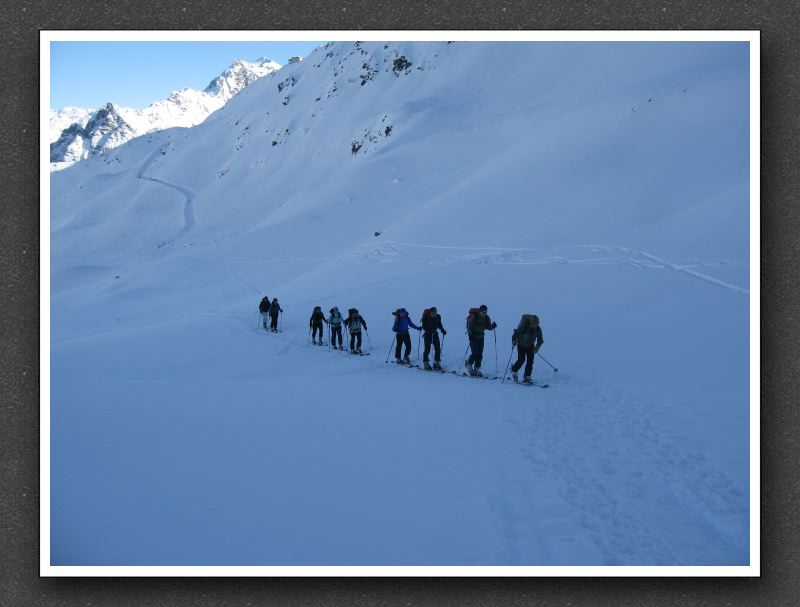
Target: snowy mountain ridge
x,y
75,133
602,186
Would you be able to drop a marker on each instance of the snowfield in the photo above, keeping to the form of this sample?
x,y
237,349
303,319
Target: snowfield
x,y
601,186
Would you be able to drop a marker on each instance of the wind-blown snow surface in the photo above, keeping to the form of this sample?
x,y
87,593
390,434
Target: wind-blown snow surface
x,y
603,187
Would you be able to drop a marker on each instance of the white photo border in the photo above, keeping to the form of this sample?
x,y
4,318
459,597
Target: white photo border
x,y
753,37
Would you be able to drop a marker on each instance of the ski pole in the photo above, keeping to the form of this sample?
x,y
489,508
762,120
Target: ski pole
x,y
442,351
462,359
390,350
369,341
309,335
509,362
545,360
419,336
258,322
280,319
496,367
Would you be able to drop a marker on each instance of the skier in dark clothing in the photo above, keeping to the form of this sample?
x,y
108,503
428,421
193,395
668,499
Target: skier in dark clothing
x,y
274,310
263,307
478,321
528,339
354,323
401,324
432,323
315,324
335,321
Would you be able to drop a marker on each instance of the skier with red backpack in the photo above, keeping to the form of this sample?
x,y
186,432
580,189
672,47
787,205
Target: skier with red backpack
x,y
478,322
431,325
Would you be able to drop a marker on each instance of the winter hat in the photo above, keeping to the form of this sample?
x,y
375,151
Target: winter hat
x,y
433,309
483,308
534,319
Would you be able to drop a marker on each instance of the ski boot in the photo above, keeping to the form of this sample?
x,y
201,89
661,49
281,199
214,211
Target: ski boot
x,y
358,351
476,372
352,351
437,366
515,377
314,341
398,360
341,348
527,380
427,366
407,360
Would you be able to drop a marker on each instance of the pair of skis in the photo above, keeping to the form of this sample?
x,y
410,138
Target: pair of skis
x,y
528,384
493,377
465,374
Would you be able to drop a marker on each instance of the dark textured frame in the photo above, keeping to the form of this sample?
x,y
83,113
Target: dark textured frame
x,y
21,21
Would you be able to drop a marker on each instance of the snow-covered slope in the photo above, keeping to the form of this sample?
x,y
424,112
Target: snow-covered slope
x,y
92,132
603,187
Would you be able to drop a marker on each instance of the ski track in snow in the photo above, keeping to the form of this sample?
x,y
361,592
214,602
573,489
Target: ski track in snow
x,y
189,218
687,488
616,505
395,252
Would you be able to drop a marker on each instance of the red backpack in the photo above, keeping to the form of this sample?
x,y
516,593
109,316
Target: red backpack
x,y
473,312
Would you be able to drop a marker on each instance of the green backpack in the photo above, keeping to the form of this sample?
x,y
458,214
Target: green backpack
x,y
526,331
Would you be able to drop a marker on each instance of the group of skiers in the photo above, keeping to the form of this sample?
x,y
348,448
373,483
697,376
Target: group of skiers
x,y
527,337
354,323
431,325
270,309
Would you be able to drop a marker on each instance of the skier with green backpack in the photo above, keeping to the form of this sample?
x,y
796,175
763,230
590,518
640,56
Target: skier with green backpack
x,y
478,322
528,339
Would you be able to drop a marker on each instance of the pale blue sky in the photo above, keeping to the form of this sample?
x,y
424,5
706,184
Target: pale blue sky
x,y
134,74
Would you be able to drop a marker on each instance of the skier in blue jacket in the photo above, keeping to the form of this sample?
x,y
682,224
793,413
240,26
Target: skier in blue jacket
x,y
402,322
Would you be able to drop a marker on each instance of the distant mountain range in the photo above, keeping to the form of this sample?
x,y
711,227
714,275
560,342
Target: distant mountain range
x,y
77,133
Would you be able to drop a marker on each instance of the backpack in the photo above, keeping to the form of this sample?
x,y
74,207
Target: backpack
x,y
526,331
